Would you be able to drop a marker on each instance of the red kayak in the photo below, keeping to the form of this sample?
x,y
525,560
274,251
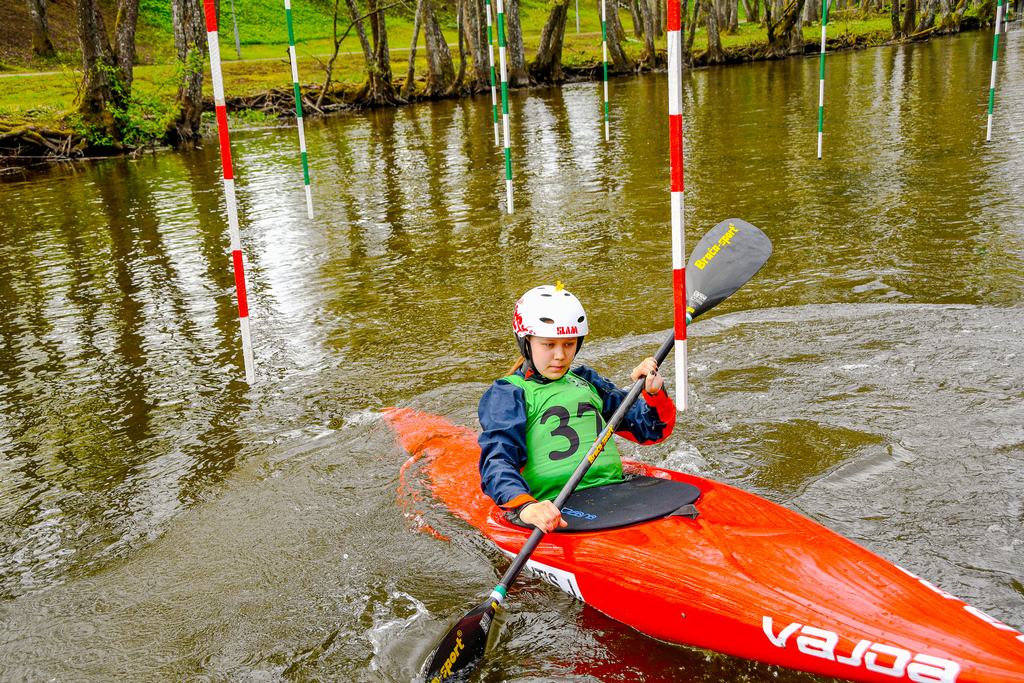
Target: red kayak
x,y
731,572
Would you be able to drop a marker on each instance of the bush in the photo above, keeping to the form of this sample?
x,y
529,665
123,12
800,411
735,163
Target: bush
x,y
143,121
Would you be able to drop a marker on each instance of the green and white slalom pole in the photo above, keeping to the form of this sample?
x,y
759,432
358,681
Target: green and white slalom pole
x,y
234,20
821,74
604,53
494,80
298,106
504,104
992,81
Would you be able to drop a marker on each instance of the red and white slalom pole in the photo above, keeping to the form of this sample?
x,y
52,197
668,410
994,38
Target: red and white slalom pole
x,y
675,146
229,186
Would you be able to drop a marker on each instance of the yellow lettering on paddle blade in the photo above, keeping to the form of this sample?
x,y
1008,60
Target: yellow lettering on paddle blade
x,y
723,241
446,668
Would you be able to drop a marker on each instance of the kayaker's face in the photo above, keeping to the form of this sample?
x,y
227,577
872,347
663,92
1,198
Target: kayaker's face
x,y
551,356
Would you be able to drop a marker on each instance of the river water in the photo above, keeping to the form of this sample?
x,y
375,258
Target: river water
x,y
161,520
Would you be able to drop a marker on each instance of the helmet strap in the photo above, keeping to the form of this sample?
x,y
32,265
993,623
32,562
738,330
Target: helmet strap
x,y
524,348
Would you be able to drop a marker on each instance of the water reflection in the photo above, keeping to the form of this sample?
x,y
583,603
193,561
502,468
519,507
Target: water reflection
x,y
121,400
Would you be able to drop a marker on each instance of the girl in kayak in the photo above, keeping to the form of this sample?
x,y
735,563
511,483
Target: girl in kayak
x,y
539,422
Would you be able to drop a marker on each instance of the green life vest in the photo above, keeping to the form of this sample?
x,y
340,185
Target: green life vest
x,y
563,420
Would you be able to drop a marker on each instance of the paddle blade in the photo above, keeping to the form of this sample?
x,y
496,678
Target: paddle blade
x,y
722,262
463,645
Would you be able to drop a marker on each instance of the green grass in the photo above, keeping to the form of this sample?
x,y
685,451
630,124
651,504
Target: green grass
x,y
264,65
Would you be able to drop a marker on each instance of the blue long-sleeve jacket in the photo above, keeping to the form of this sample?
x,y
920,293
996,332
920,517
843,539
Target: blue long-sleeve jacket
x,y
502,438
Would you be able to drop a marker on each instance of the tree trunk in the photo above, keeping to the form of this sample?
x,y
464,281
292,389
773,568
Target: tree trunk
x,y
648,56
620,61
515,53
100,86
547,65
382,52
909,17
796,32
410,75
927,16
476,33
781,34
688,51
637,18
715,54
894,19
124,40
945,17
614,20
107,72
748,10
190,43
440,71
733,23
958,15
460,12
378,89
41,45
364,43
658,14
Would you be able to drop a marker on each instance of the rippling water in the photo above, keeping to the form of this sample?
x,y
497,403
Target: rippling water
x,y
161,520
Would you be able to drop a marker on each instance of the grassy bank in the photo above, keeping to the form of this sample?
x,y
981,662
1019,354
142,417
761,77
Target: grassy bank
x,y
41,93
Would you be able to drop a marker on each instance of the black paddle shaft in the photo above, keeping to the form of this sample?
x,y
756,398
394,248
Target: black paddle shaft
x,y
577,476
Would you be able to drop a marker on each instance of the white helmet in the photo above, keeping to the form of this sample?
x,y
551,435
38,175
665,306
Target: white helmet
x,y
548,311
